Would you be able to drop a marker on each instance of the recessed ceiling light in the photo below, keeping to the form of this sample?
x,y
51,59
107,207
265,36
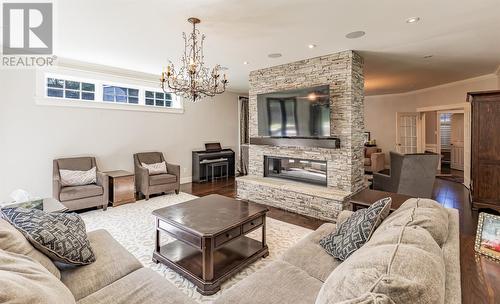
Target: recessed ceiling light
x,y
274,55
356,34
245,62
413,20
311,46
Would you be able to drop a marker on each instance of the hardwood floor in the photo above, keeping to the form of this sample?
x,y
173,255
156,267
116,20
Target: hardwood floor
x,y
480,276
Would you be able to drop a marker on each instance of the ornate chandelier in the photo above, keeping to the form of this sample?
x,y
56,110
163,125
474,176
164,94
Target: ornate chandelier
x,y
193,80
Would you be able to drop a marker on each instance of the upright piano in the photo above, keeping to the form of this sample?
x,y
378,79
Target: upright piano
x,y
212,153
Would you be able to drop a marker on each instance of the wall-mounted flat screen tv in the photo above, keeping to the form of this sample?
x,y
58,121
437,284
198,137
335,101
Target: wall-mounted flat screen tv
x,y
295,113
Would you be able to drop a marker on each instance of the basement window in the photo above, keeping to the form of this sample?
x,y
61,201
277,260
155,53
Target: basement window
x,y
62,88
105,91
159,99
120,94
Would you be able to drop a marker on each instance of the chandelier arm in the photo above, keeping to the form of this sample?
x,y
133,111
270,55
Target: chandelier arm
x,y
193,80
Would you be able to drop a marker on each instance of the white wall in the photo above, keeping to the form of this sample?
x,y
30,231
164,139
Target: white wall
x,y
380,111
32,135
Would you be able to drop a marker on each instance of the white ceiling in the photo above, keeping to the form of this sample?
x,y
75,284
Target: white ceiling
x,y
463,36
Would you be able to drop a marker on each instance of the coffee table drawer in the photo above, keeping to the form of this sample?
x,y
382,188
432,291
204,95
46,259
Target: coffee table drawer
x,y
252,224
227,236
180,234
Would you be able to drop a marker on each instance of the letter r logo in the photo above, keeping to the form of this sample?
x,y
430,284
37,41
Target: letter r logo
x,y
27,28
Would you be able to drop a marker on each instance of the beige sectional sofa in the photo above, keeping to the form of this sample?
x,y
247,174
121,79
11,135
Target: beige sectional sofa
x,y
412,257
115,277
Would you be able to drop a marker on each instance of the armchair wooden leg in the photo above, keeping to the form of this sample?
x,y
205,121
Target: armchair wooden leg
x,y
176,191
147,196
104,207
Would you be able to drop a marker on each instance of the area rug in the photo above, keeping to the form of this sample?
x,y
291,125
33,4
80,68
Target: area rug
x,y
133,226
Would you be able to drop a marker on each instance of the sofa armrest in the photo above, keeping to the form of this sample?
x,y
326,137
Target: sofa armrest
x,y
103,181
142,179
382,182
343,215
174,169
377,161
56,186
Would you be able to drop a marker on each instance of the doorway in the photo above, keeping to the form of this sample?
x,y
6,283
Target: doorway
x,y
450,144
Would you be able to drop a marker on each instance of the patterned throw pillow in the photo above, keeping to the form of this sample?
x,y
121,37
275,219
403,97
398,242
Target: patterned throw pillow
x,y
356,230
60,236
78,178
157,168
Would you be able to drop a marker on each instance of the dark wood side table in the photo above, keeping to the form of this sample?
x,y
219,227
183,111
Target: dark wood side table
x,y
121,187
366,197
211,244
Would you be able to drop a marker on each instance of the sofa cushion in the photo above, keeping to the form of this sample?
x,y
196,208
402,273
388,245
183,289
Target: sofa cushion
x,y
308,249
404,264
279,282
60,236
162,179
421,212
23,280
143,286
12,240
112,263
77,177
77,192
353,233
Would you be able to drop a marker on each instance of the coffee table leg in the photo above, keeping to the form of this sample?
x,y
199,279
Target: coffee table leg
x,y
208,259
157,240
263,231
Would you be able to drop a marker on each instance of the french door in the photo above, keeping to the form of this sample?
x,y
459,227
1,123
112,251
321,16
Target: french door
x,y
457,141
406,132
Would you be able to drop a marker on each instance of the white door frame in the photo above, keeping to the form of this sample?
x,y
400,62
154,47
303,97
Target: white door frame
x,y
438,120
466,109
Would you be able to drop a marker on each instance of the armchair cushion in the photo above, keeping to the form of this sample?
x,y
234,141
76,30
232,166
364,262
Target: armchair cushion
x,y
161,179
77,192
156,168
368,162
77,177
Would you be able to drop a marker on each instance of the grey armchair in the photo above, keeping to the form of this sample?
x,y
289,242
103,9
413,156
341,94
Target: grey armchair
x,y
411,174
80,197
159,183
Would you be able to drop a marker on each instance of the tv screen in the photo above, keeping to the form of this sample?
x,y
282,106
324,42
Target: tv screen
x,y
295,113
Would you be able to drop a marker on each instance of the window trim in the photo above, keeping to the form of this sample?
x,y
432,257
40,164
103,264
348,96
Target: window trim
x,y
100,79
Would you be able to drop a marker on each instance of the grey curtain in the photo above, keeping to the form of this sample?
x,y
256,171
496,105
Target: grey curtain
x,y
244,136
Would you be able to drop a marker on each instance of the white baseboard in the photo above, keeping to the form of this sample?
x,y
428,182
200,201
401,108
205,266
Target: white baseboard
x,y
186,180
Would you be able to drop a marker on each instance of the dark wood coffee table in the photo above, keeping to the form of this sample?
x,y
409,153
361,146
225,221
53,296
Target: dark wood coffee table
x,y
211,244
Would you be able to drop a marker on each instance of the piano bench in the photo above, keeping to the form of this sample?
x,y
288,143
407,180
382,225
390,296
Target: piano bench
x,y
211,167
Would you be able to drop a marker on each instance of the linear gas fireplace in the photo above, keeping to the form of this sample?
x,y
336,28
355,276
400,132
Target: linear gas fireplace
x,y
302,170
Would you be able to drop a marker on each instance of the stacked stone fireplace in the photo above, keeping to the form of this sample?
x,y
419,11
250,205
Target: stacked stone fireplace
x,y
342,166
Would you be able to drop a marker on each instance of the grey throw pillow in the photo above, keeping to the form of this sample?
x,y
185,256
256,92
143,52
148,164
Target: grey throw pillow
x,y
356,230
60,236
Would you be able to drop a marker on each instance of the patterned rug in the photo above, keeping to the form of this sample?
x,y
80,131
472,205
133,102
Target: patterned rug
x,y
133,226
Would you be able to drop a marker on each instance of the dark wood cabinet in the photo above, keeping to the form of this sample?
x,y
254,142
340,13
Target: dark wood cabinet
x,y
485,149
121,187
